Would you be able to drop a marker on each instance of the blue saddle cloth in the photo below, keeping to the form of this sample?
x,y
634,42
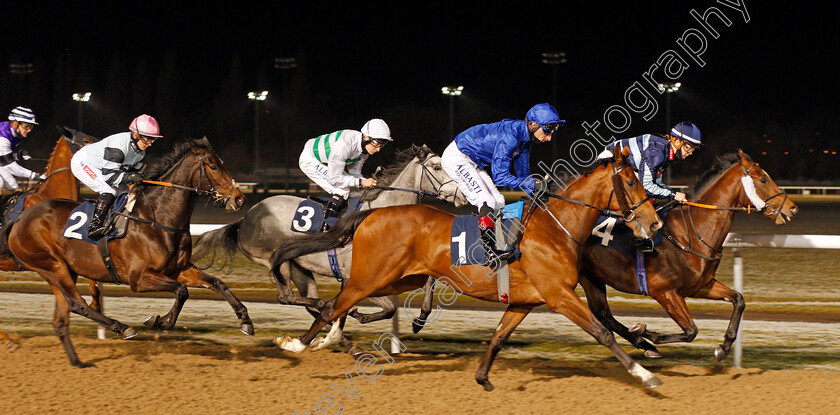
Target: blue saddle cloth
x,y
79,220
465,244
309,215
14,212
613,233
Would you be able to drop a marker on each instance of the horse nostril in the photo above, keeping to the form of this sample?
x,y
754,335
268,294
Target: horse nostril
x,y
794,210
656,226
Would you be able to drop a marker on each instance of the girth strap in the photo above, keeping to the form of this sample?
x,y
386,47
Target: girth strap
x,y
109,263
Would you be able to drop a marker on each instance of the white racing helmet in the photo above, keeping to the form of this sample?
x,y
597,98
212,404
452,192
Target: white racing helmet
x,y
23,114
377,129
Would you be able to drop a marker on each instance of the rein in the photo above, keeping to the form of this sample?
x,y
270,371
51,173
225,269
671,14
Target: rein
x,y
627,215
749,208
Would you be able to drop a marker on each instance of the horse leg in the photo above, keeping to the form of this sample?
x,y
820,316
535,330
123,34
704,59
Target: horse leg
x,y
426,308
61,325
334,336
349,296
95,296
193,277
388,308
564,300
596,298
674,305
66,283
285,295
151,281
510,320
717,291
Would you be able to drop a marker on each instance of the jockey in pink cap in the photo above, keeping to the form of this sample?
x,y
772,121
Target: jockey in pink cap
x,y
116,159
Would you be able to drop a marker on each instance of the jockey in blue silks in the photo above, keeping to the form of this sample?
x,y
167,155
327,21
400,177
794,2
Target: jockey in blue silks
x,y
650,156
500,145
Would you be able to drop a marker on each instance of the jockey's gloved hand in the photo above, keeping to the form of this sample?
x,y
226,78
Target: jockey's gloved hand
x,y
540,186
133,177
21,155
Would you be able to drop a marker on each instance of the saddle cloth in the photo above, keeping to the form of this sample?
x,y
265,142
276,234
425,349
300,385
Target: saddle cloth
x,y
309,214
79,220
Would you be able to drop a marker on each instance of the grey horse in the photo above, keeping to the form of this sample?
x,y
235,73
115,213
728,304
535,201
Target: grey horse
x,y
417,172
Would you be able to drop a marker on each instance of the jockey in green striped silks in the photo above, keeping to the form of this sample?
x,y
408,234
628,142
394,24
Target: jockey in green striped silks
x,y
334,161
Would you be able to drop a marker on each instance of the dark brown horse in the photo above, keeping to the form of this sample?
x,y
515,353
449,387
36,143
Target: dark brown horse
x,y
396,248
686,262
153,256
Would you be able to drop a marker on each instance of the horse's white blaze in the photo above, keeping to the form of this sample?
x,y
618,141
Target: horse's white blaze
x,y
290,344
640,372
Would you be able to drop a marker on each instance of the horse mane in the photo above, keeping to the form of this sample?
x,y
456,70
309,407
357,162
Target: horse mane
x,y
386,175
721,164
166,162
567,178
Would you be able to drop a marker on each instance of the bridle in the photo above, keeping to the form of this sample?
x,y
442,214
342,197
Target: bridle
x,y
425,172
213,191
754,205
628,211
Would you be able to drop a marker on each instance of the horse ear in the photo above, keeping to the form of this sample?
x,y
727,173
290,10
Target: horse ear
x,y
620,152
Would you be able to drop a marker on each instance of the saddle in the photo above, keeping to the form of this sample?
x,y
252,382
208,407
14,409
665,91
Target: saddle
x,y
11,206
309,214
79,220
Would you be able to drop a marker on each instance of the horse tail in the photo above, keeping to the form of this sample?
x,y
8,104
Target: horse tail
x,y
224,239
5,251
338,236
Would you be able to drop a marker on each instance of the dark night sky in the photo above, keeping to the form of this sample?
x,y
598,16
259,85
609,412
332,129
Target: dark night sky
x,y
360,61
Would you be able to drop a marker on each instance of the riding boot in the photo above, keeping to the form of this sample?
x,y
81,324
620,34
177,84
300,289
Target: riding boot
x,y
334,206
487,229
99,226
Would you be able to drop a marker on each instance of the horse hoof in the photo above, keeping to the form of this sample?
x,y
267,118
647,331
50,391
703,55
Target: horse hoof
x,y
638,328
652,382
152,322
129,333
653,354
247,329
83,365
720,353
290,344
488,387
416,326
318,344
13,345
355,351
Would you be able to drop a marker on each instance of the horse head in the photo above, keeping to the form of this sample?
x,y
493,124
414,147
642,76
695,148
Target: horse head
x,y
630,197
434,179
213,178
763,193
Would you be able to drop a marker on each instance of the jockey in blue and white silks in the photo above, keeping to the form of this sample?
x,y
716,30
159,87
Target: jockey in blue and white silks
x,y
334,161
21,121
650,156
115,159
499,146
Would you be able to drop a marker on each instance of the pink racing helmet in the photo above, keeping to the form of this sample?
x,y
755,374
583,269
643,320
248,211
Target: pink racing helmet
x,y
145,125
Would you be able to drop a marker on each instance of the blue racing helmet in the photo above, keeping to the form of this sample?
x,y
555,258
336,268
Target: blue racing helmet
x,y
688,132
543,114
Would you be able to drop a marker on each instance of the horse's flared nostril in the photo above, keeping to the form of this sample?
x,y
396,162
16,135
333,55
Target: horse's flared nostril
x,y
794,210
656,226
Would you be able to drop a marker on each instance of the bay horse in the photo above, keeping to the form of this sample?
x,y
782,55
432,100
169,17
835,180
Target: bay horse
x,y
415,173
59,183
688,258
153,256
396,248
